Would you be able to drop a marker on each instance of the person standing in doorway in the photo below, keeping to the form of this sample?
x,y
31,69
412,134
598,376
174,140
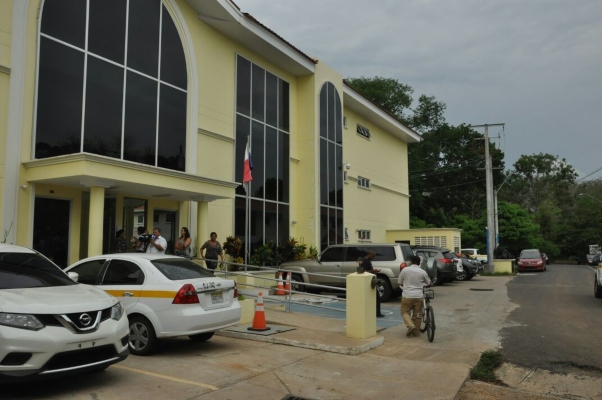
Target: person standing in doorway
x,y
157,244
183,243
120,244
214,250
366,265
412,280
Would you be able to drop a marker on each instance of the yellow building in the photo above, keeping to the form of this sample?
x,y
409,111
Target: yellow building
x,y
113,108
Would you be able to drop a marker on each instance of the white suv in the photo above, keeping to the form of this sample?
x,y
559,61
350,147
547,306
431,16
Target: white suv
x,y
51,325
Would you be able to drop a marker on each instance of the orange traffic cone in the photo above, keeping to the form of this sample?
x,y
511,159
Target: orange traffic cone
x,y
259,318
287,286
280,289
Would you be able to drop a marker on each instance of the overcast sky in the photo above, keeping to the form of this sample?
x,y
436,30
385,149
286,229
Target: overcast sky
x,y
535,65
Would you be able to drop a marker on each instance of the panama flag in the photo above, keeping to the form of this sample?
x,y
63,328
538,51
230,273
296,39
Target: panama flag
x,y
248,166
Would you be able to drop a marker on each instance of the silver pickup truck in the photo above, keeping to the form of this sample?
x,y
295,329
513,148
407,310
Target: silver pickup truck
x,y
338,261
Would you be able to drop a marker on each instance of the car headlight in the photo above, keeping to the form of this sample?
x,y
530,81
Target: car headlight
x,y
117,311
21,321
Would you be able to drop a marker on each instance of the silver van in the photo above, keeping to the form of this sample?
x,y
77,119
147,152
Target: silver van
x,y
338,261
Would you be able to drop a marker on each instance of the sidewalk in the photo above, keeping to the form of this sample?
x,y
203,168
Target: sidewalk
x,y
469,317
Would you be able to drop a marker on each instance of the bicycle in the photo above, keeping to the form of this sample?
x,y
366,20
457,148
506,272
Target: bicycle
x,y
428,317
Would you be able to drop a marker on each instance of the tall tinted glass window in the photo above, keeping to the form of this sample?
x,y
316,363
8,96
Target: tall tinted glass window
x,y
331,166
262,107
133,53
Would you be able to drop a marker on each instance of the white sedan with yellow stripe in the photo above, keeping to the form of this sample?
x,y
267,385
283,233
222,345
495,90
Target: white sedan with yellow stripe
x,y
163,296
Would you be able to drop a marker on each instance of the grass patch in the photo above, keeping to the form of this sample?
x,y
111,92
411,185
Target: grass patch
x,y
485,369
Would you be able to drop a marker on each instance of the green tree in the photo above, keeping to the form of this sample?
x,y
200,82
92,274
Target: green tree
x,y
447,174
428,115
389,93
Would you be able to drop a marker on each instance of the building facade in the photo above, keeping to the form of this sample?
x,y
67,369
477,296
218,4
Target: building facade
x,y
116,113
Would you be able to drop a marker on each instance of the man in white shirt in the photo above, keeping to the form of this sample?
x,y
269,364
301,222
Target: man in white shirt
x,y
157,244
412,279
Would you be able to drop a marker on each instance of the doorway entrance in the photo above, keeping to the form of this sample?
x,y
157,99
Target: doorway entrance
x,y
51,229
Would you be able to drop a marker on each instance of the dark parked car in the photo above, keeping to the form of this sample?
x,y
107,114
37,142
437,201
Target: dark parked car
x,y
471,268
447,270
531,259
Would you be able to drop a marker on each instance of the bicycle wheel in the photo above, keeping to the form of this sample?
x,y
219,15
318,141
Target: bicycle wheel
x,y
424,320
430,323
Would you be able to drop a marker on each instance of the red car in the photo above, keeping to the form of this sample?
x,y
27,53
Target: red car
x,y
531,259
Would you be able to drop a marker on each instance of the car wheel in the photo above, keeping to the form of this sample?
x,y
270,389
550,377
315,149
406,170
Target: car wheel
x,y
597,289
462,276
384,289
143,340
201,337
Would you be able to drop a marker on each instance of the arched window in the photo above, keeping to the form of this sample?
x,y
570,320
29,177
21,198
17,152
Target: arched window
x,y
112,80
331,166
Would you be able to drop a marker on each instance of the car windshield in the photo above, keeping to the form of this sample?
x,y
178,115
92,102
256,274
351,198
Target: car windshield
x,y
177,269
28,270
530,254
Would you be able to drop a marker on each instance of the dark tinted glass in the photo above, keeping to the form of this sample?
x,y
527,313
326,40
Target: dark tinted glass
x,y
283,105
332,254
384,253
271,163
140,119
257,224
323,171
257,142
60,88
271,221
258,92
89,271
173,61
104,99
333,237
339,218
283,166
243,86
407,252
178,269
331,113
172,129
338,115
121,272
271,99
243,131
354,253
324,111
106,33
283,223
324,227
28,270
332,169
338,175
65,20
143,36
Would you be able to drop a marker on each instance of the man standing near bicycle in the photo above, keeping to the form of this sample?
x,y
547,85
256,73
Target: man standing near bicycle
x,y
412,280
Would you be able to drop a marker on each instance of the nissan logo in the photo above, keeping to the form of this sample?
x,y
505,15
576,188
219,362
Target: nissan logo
x,y
85,319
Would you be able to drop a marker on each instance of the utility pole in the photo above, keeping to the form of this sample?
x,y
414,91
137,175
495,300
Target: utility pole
x,y
491,229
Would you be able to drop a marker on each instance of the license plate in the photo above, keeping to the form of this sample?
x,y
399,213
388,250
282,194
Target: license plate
x,y
460,268
217,297
84,345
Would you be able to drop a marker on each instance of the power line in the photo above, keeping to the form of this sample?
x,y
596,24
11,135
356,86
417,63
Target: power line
x,y
590,174
446,187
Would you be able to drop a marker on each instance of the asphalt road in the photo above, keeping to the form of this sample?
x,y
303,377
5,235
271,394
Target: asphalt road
x,y
557,324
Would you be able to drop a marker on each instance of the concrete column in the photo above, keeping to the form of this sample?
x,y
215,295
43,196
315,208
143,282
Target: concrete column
x,y
97,206
361,306
202,233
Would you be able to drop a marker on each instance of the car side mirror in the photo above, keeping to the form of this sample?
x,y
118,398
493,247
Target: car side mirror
x,y
73,275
